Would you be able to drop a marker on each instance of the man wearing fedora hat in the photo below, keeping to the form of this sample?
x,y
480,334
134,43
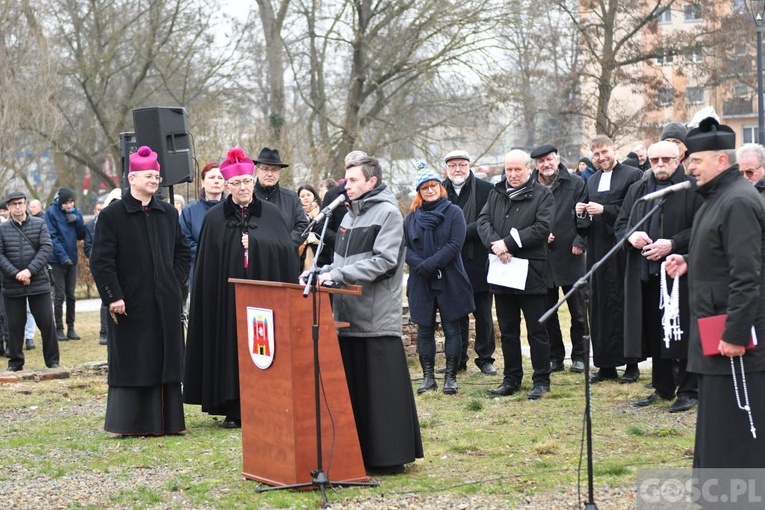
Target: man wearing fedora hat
x,y
268,171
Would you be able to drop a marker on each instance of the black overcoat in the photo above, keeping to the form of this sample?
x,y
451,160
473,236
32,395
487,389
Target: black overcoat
x,y
211,373
472,198
676,219
607,292
726,264
565,267
531,213
141,256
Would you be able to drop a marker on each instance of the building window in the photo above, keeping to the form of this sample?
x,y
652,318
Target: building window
x,y
694,55
691,11
665,58
740,91
665,96
694,95
750,134
665,16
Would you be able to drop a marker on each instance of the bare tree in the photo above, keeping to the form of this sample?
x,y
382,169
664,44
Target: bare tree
x,y
613,44
389,75
115,56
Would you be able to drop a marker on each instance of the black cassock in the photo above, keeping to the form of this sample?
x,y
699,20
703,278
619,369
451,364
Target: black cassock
x,y
211,372
607,293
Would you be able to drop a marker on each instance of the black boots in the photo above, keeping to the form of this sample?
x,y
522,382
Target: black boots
x,y
450,376
428,376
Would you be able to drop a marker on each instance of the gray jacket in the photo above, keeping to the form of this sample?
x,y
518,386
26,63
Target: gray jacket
x,y
17,254
369,251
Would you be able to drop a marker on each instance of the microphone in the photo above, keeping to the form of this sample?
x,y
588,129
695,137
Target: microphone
x,y
666,191
324,212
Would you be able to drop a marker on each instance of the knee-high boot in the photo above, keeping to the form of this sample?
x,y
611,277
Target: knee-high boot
x,y
450,376
428,375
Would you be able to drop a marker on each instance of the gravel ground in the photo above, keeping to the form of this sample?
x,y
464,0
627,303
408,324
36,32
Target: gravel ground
x,y
26,488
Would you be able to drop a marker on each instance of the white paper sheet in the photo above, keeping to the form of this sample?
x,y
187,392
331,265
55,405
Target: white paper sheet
x,y
512,275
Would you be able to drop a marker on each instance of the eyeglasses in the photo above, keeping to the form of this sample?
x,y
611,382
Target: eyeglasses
x,y
245,182
664,159
268,168
152,177
16,204
433,186
454,166
750,173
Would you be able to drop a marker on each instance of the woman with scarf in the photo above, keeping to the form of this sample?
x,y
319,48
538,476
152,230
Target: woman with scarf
x,y
434,231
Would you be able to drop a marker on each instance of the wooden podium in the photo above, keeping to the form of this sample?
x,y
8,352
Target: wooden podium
x,y
278,403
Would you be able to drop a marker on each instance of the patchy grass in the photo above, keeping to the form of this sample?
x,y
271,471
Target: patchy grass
x,y
506,448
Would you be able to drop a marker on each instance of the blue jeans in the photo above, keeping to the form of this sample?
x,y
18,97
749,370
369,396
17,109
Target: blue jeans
x,y
426,339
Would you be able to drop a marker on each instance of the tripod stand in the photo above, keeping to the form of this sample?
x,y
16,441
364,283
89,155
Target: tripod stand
x,y
586,279
319,478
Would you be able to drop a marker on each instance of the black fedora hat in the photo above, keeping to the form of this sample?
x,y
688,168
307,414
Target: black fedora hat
x,y
270,157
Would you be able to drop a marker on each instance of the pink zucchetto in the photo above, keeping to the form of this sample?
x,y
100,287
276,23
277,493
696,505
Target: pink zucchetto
x,y
144,159
236,163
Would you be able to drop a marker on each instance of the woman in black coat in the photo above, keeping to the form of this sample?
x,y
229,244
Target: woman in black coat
x,y
434,232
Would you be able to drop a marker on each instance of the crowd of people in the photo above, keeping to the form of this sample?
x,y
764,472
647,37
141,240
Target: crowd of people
x,y
471,248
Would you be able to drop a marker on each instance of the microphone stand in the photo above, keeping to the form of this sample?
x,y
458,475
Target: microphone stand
x,y
586,279
319,479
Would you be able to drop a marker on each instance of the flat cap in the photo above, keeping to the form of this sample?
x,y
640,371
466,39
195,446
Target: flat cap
x,y
543,150
13,195
710,136
458,154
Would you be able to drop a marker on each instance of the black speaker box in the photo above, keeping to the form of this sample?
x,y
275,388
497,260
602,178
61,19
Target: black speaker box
x,y
165,130
127,147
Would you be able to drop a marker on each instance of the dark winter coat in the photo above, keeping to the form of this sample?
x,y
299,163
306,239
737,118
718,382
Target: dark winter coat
x,y
726,264
472,198
191,223
211,374
531,212
290,207
64,234
142,257
17,254
336,219
565,267
90,234
437,277
675,219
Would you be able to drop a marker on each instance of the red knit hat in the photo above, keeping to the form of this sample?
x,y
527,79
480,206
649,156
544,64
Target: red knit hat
x,y
144,159
236,163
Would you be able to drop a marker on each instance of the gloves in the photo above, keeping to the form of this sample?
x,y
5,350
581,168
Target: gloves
x,y
71,217
423,271
67,263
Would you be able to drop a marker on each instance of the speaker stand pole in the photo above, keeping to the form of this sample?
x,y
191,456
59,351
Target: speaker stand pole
x,y
590,505
319,479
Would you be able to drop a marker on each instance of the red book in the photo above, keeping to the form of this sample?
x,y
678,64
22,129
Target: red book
x,y
711,330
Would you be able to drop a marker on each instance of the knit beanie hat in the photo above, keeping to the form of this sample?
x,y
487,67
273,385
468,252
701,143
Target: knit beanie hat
x,y
674,130
144,159
236,163
65,195
425,174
